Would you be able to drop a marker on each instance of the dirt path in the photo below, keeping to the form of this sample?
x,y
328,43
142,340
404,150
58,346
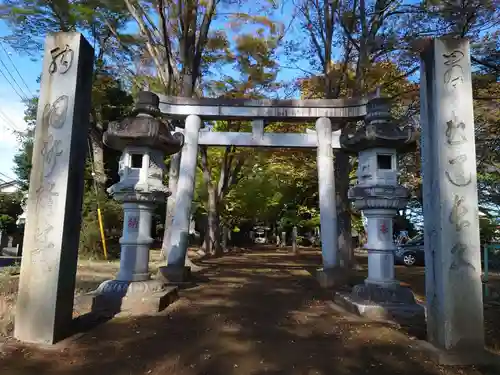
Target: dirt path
x,y
255,313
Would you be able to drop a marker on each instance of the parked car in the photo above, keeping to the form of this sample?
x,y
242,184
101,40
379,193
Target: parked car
x,y
411,253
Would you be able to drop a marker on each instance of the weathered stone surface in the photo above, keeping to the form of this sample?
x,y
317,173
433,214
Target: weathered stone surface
x,y
379,197
145,141
144,128
376,303
282,110
134,298
380,130
174,274
464,357
247,139
184,197
376,294
326,187
46,287
452,244
332,277
377,192
11,249
122,288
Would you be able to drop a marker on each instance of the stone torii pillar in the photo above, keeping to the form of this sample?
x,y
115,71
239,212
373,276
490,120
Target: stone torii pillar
x,y
329,275
175,270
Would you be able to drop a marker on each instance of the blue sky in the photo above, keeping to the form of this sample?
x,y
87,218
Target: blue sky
x,y
11,106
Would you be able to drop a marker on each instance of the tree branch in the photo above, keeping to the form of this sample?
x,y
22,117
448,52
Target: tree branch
x,y
305,11
167,44
150,42
486,64
202,39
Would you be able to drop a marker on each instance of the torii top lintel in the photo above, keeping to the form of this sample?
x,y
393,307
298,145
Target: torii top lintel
x,y
273,110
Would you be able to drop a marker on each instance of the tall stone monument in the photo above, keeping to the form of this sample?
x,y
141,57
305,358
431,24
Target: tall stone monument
x,y
452,245
48,268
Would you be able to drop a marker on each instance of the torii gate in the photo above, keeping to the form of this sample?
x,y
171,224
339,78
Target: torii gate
x,y
452,243
193,111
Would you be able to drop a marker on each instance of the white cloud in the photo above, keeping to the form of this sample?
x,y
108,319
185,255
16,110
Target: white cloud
x,y
11,118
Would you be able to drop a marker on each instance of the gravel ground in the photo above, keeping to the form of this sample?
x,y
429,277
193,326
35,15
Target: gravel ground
x,y
252,313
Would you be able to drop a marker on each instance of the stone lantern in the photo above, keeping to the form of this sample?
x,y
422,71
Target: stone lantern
x,y
144,140
379,196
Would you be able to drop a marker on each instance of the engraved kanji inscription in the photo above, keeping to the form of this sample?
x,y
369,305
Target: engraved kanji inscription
x,y
457,176
54,115
458,212
39,258
455,132
459,257
50,151
62,59
45,195
41,240
454,74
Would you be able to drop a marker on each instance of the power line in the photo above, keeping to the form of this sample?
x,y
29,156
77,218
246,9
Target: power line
x,y
10,123
11,76
15,68
6,128
11,85
10,178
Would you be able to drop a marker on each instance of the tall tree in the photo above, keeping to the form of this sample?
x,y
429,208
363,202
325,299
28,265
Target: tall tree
x,y
181,44
345,36
254,58
175,34
31,20
23,157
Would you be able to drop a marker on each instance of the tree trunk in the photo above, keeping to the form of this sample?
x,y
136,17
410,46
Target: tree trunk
x,y
342,170
173,178
226,237
212,237
97,149
212,234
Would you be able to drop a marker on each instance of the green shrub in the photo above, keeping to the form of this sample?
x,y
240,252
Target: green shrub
x,y
90,236
10,209
12,270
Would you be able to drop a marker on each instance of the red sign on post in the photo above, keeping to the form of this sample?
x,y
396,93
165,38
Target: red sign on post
x,y
133,222
383,228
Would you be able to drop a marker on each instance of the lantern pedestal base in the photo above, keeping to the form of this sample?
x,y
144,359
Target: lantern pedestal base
x,y
133,298
395,303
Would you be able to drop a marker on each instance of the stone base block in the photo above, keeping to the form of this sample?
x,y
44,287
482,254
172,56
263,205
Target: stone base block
x,y
461,357
383,303
331,277
134,298
174,274
11,252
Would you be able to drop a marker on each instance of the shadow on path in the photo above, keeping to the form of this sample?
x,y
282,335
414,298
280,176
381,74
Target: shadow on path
x,y
259,313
